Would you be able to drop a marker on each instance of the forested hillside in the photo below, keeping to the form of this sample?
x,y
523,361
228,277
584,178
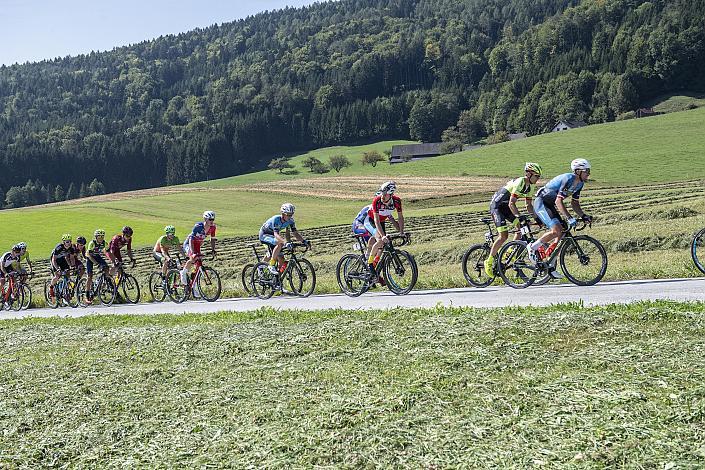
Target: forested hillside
x,y
223,100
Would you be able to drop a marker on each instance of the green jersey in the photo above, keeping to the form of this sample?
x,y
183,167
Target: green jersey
x,y
164,242
517,186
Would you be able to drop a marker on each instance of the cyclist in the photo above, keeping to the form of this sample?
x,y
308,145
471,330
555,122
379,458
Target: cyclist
x,y
358,228
24,256
164,244
61,259
550,207
79,254
7,264
94,256
503,208
116,244
192,244
270,234
382,207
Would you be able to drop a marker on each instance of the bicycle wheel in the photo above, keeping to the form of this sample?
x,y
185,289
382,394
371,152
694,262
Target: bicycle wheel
x,y
263,281
130,288
400,272
473,264
583,260
352,274
246,277
82,292
26,296
697,250
52,301
209,284
106,290
156,286
514,266
175,288
71,292
302,277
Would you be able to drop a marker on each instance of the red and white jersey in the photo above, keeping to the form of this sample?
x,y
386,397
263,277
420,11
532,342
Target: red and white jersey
x,y
384,209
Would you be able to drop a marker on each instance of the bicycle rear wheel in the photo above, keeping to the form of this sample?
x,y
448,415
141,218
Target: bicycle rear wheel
x,y
263,281
583,260
246,278
175,288
52,301
71,292
302,277
352,274
697,250
130,288
400,272
209,284
473,264
157,287
514,266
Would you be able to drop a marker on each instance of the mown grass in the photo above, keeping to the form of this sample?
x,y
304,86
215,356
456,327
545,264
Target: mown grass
x,y
562,386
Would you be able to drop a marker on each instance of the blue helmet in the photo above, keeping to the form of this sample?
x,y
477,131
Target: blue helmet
x,y
199,228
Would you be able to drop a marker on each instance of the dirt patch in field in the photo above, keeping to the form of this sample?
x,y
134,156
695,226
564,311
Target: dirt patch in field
x,y
356,187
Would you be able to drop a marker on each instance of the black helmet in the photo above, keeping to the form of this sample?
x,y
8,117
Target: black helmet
x,y
81,240
127,230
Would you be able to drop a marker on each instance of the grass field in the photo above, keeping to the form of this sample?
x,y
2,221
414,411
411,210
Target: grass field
x,y
678,102
618,386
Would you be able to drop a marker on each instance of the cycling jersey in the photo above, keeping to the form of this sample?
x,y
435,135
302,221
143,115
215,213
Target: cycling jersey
x,y
384,210
560,187
23,257
62,251
360,217
165,243
94,248
117,242
358,225
519,187
276,224
8,259
197,235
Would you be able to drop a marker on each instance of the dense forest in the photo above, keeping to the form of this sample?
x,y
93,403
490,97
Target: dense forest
x,y
226,99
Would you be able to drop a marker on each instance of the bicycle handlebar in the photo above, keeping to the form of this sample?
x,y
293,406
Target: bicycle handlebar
x,y
405,239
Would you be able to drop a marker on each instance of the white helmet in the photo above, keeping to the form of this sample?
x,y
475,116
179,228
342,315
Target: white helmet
x,y
388,187
22,245
579,164
209,215
288,208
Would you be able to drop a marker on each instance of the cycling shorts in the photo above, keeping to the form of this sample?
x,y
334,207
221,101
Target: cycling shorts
x,y
267,239
63,264
501,215
370,226
547,212
358,228
98,260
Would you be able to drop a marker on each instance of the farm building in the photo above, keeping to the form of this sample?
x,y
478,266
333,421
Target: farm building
x,y
566,125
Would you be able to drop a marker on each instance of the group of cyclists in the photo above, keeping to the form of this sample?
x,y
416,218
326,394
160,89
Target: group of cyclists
x,y
546,205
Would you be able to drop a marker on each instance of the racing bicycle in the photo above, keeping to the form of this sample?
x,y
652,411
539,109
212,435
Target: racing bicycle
x,y
246,275
297,278
697,250
204,282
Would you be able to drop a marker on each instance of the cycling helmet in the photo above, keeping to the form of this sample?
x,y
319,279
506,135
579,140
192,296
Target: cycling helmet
x,y
533,167
81,240
66,237
389,187
288,208
99,232
22,245
170,229
17,248
209,215
127,230
199,228
579,164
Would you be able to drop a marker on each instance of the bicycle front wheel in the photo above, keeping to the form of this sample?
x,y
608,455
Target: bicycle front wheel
x,y
473,264
400,272
71,293
514,266
157,286
263,281
697,250
583,260
246,278
175,288
302,278
106,290
352,274
209,284
26,296
130,288
52,300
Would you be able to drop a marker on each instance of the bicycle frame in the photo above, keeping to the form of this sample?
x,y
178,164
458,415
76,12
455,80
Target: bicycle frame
x,y
566,234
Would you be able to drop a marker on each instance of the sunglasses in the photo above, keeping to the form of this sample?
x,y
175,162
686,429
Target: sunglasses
x,y
211,220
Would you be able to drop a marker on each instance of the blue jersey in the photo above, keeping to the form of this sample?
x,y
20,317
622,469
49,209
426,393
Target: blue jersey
x,y
276,224
562,186
360,217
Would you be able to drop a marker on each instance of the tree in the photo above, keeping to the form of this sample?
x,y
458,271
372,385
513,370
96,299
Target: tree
x,y
310,163
338,162
82,192
15,197
372,157
320,168
96,188
498,137
71,193
280,164
59,193
452,141
469,127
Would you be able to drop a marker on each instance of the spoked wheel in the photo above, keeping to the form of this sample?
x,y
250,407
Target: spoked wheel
x,y
697,250
514,265
52,301
14,301
175,288
263,281
302,277
473,264
26,296
157,287
71,293
246,278
352,273
106,290
583,260
400,272
208,283
82,292
130,288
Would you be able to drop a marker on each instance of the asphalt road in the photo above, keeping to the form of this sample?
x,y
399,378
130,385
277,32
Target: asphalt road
x,y
601,294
